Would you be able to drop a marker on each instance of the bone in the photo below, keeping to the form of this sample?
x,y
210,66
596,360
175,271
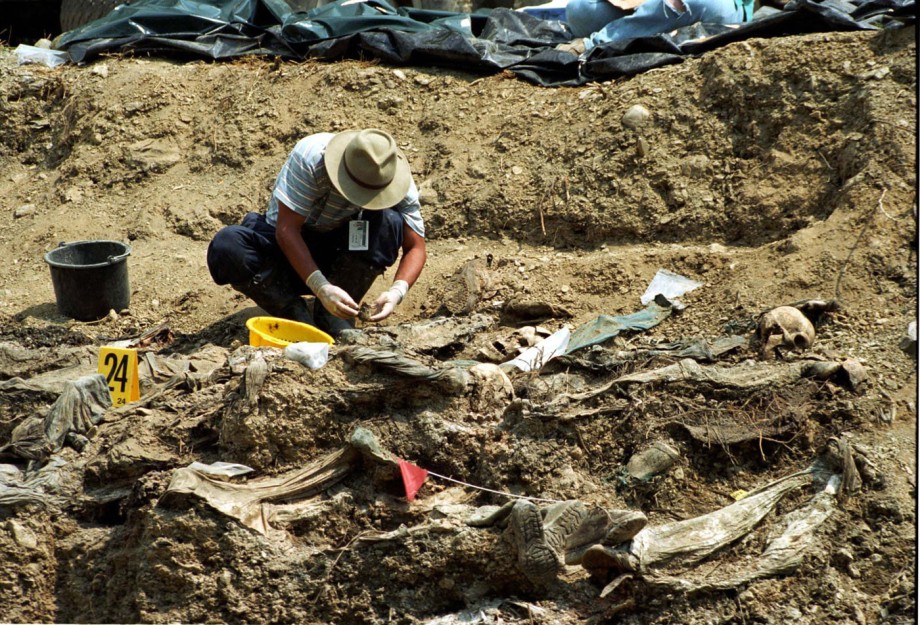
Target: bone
x,y
785,327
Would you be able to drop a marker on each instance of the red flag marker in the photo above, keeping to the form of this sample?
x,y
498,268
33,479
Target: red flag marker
x,y
413,477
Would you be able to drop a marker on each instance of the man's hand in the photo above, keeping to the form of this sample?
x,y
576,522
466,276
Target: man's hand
x,y
334,299
575,46
389,299
337,301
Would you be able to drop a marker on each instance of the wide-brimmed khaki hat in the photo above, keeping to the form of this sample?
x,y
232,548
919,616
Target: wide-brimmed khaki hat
x,y
367,168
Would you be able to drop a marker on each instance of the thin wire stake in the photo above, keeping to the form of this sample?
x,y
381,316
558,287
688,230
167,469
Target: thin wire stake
x,y
489,490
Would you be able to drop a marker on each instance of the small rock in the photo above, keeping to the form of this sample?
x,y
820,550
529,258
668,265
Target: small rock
x,y
695,165
23,536
154,155
517,171
490,353
642,147
881,73
855,373
427,196
636,117
225,578
399,74
44,44
24,211
793,614
844,556
859,615
101,70
653,461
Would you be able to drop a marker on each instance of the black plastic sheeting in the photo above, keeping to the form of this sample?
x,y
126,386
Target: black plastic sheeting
x,y
487,43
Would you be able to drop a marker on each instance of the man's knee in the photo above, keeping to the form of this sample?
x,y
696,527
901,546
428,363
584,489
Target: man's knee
x,y
588,16
226,253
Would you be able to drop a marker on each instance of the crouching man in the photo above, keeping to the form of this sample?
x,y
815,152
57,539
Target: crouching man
x,y
342,208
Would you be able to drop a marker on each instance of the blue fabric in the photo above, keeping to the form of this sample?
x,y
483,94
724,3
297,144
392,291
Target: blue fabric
x,y
239,253
600,22
605,327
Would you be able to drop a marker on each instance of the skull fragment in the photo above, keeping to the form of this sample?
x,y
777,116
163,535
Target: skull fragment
x,y
785,327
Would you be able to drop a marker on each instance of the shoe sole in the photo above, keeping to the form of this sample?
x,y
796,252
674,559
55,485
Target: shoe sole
x,y
536,558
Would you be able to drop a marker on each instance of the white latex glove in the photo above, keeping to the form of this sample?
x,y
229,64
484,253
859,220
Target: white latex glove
x,y
334,299
389,300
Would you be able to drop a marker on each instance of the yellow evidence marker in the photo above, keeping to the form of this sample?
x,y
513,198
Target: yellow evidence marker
x,y
119,365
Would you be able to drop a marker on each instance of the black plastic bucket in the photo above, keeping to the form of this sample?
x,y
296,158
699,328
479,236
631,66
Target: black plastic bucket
x,y
90,278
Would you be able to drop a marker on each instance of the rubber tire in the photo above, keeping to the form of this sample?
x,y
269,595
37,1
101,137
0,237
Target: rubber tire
x,y
75,13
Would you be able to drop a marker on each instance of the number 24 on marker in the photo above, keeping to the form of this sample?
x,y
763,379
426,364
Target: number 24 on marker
x,y
119,365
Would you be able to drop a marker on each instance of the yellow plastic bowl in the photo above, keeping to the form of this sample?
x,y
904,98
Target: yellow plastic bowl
x,y
277,332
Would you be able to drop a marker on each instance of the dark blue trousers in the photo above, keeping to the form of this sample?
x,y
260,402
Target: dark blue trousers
x,y
238,254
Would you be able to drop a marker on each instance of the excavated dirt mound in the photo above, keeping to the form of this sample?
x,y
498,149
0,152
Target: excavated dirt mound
x,y
770,171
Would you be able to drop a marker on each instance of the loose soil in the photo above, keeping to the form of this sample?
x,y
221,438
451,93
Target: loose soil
x,y
771,171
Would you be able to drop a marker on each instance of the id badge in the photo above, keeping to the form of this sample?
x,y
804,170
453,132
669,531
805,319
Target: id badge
x,y
358,235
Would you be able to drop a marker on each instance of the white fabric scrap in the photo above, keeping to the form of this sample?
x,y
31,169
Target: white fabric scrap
x,y
535,357
669,284
225,469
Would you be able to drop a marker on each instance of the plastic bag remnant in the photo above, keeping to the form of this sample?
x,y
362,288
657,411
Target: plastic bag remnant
x,y
31,54
669,284
312,355
221,469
